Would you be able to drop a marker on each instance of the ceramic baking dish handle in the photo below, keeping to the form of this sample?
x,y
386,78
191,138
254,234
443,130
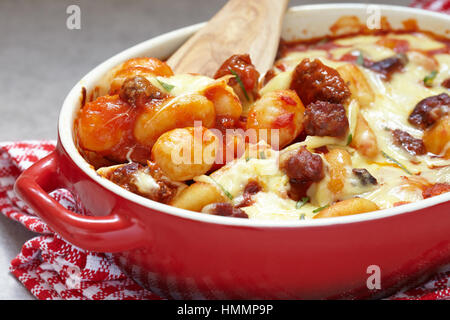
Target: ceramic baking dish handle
x,y
112,233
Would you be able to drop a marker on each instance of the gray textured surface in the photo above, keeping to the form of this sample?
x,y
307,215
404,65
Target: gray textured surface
x,y
40,60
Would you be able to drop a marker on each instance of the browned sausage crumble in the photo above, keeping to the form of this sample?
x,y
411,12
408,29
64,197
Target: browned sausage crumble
x,y
312,80
227,209
324,118
429,110
408,142
137,90
252,188
124,176
364,176
388,66
303,168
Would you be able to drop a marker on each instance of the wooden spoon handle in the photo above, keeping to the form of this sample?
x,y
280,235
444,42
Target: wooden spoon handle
x,y
241,26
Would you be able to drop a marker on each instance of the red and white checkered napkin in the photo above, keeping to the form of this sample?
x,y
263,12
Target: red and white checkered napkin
x,y
434,5
47,265
53,269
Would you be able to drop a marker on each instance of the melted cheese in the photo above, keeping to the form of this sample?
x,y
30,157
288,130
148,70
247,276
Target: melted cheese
x,y
234,176
271,203
183,84
145,183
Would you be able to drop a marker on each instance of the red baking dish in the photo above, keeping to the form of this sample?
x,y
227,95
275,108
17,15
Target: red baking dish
x,y
181,254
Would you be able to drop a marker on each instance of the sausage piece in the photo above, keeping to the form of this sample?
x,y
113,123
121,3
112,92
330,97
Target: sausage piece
x,y
303,168
242,65
126,176
324,118
137,90
408,142
145,67
250,189
388,66
312,80
225,209
364,176
429,110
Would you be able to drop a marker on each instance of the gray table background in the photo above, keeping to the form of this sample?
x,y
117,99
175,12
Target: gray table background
x,y
40,60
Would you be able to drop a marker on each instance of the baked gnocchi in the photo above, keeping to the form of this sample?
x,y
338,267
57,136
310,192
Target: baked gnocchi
x,y
339,126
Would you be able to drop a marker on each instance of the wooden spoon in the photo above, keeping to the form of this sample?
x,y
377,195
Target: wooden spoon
x,y
241,26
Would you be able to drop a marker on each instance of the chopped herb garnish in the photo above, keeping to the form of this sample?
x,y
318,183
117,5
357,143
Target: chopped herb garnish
x,y
349,139
302,216
389,158
229,196
239,81
166,86
301,202
360,59
428,80
321,208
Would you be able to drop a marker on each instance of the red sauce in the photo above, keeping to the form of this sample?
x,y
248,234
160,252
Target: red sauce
x,y
288,100
224,123
400,203
325,44
350,26
435,190
268,76
283,120
281,66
